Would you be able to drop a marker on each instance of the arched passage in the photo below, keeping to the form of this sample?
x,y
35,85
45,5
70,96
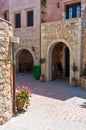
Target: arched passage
x,y
24,61
59,61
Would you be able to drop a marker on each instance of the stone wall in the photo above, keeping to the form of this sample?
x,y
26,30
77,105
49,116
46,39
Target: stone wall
x,y
6,79
84,48
66,31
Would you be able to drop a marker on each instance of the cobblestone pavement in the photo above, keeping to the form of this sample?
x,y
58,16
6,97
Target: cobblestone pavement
x,y
54,106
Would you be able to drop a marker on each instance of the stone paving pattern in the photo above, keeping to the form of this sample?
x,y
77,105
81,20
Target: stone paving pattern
x,y
54,106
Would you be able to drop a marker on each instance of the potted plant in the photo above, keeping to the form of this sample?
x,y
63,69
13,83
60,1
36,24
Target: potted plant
x,y
42,61
74,68
42,78
23,95
43,3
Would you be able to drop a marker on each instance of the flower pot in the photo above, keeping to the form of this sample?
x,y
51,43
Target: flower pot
x,y
74,82
20,104
42,78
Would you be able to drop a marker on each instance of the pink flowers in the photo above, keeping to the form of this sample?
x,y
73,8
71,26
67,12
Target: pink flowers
x,y
24,87
24,94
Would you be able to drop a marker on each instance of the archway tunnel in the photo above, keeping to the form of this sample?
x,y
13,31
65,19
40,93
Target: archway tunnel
x,y
25,62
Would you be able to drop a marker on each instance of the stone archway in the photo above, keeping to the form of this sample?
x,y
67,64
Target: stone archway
x,y
24,61
57,60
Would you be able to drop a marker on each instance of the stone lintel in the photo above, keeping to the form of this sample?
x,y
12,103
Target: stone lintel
x,y
14,39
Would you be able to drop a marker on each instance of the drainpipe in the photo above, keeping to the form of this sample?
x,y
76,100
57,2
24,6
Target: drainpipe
x,y
14,97
40,30
14,40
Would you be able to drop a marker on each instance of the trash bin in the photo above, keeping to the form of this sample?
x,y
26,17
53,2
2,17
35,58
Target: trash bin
x,y
37,71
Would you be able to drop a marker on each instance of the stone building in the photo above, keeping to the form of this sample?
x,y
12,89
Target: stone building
x,y
63,38
62,35
55,30
25,16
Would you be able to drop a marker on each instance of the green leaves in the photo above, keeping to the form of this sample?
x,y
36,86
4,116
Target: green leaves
x,y
74,67
42,60
24,96
43,3
23,93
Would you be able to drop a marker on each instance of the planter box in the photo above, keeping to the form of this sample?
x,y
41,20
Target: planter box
x,y
83,83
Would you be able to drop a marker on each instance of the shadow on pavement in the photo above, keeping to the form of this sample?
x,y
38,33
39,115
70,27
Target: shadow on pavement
x,y
58,89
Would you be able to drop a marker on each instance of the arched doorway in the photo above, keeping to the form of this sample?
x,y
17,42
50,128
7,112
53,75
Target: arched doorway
x,y
60,61
24,61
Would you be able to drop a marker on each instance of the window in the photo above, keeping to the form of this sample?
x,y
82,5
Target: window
x,y
17,20
78,11
30,19
6,15
70,12
73,10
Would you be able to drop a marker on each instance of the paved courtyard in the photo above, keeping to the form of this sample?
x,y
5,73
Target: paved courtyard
x,y
54,106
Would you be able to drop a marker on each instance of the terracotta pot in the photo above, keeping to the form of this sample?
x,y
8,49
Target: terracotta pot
x,y
42,78
20,104
74,82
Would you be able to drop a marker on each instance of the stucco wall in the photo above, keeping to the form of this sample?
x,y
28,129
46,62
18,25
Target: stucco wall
x,y
53,12
6,79
68,32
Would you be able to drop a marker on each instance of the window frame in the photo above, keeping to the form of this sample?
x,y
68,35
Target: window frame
x,y
27,19
19,12
74,10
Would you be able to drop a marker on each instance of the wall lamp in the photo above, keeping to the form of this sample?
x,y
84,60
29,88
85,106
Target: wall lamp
x,y
58,5
33,48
